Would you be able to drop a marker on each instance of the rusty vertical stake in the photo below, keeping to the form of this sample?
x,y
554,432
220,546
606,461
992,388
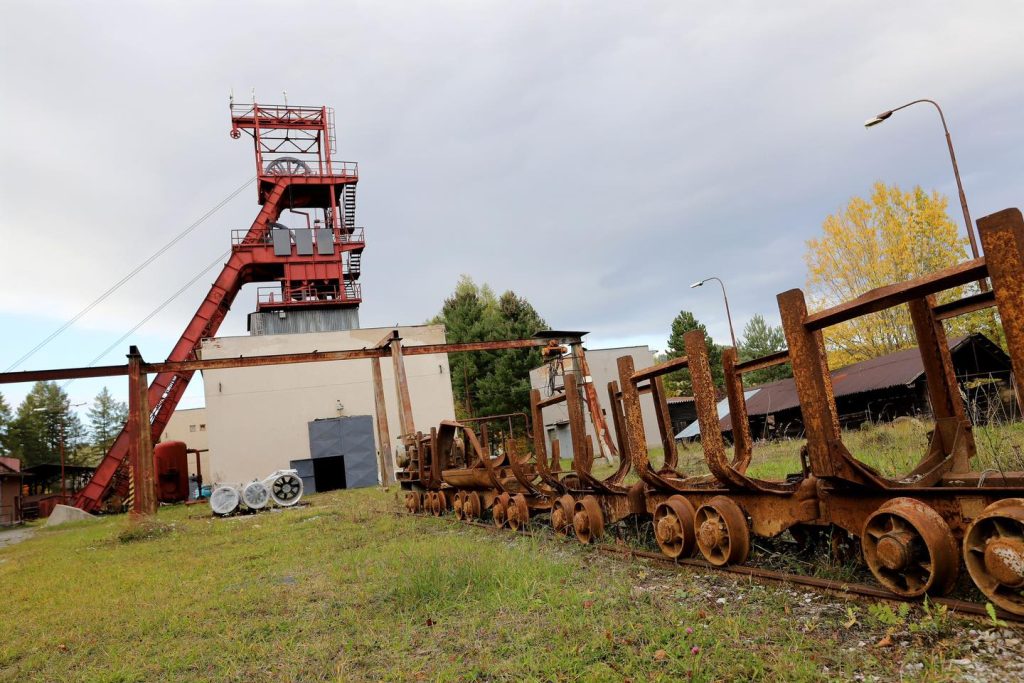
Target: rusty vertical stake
x,y
141,439
711,441
737,411
594,405
616,408
940,379
540,449
386,462
1002,237
668,440
581,458
813,385
405,420
633,435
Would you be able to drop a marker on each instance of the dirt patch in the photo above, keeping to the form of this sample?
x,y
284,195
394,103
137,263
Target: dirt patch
x,y
12,536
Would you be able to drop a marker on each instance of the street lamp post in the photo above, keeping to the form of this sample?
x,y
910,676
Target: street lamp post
x,y
728,316
875,120
63,427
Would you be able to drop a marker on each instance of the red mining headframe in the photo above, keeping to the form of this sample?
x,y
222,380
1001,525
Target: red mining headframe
x,y
314,267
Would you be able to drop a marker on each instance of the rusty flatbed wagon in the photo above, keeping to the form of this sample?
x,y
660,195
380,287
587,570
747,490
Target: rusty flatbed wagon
x,y
917,532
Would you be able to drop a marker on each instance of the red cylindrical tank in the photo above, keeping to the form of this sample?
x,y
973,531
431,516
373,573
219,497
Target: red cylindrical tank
x,y
171,459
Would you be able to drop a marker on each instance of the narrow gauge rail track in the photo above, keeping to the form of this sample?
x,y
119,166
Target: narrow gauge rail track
x,y
839,588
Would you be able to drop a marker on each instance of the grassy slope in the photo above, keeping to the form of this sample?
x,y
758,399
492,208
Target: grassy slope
x,y
346,590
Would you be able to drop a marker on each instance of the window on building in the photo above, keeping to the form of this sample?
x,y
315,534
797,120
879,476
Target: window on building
x,y
202,428
191,428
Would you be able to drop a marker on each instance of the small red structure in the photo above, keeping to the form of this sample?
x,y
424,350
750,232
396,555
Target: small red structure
x,y
315,268
171,459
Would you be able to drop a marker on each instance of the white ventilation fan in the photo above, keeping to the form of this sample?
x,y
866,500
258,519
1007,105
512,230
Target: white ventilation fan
x,y
224,500
256,495
285,487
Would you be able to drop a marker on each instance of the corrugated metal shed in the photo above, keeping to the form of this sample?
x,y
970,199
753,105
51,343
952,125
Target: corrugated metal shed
x,y
902,368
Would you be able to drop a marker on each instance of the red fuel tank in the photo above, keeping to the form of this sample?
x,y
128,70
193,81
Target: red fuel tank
x,y
171,459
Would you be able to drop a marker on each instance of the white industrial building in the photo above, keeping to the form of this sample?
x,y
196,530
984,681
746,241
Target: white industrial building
x,y
257,418
603,369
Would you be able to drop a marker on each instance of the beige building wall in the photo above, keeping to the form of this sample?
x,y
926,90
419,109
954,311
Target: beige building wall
x,y
603,369
257,417
189,425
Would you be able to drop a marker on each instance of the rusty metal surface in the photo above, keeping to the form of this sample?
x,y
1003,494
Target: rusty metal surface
x,y
140,450
769,361
593,405
386,463
955,442
892,295
968,304
813,386
743,446
1002,236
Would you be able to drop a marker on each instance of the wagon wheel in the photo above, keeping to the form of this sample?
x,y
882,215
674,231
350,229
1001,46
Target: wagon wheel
x,y
673,527
472,507
588,520
910,549
458,505
440,503
518,512
994,553
561,514
499,513
412,502
722,533
427,502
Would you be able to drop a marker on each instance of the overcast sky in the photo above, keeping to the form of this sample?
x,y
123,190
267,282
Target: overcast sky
x,y
594,157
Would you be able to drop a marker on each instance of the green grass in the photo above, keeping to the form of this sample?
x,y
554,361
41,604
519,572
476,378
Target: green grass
x,y
347,590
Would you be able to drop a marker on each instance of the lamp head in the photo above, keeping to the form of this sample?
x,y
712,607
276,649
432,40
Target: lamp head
x,y
875,120
697,284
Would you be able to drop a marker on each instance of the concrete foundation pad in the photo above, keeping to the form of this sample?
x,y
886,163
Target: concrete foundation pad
x,y
66,513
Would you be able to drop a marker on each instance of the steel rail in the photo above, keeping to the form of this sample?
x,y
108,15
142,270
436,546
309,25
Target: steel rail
x,y
840,588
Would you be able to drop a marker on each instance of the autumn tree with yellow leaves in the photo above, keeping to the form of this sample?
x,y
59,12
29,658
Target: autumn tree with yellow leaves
x,y
892,237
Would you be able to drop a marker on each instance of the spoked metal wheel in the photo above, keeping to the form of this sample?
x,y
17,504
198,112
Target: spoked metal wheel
x,y
412,502
910,548
994,553
562,512
673,527
472,506
500,510
518,512
722,533
287,166
459,505
588,520
440,503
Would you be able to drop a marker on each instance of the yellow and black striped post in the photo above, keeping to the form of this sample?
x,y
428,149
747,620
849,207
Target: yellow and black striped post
x,y
129,502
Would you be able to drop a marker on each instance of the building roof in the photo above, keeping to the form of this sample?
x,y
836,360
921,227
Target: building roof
x,y
10,467
52,469
693,429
